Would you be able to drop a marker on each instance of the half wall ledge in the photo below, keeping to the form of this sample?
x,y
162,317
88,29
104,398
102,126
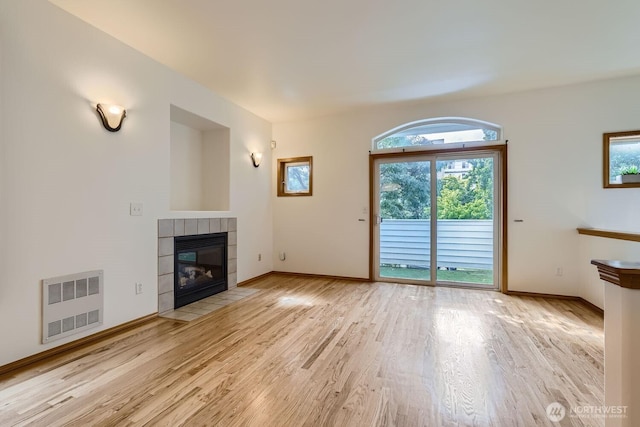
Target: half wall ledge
x,y
619,235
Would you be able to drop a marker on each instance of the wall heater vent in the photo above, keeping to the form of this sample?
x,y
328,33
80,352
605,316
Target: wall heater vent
x,y
71,304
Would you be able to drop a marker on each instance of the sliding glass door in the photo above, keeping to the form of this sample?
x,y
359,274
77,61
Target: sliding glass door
x,y
438,219
405,219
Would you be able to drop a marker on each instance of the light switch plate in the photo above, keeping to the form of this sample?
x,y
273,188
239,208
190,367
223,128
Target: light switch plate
x,y
135,209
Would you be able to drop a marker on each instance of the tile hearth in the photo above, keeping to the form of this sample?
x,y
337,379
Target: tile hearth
x,y
208,305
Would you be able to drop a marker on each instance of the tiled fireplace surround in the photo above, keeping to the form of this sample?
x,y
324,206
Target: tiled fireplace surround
x,y
170,228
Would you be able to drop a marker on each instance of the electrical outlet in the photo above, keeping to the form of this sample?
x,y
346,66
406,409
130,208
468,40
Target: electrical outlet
x,y
138,288
559,271
259,257
135,209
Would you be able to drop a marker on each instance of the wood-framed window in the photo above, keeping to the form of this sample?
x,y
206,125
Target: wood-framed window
x,y
621,159
437,133
295,176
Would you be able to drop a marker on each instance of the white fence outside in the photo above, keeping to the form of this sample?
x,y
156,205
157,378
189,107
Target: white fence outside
x,y
461,243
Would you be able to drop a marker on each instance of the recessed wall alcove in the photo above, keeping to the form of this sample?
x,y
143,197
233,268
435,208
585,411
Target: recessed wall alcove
x,y
200,150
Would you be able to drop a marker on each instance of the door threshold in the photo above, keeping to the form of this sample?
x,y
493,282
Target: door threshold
x,y
438,284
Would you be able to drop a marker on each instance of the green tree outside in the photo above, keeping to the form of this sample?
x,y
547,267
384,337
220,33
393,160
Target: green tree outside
x,y
405,187
468,197
405,191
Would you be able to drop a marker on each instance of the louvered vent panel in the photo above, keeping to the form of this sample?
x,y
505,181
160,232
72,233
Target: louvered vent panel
x,y
71,304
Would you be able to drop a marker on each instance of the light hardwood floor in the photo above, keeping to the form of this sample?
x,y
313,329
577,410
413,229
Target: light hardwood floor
x,y
325,352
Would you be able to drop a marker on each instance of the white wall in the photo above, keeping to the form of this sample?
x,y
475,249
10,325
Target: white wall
x,y
2,157
199,169
592,247
321,234
215,169
66,183
555,174
186,168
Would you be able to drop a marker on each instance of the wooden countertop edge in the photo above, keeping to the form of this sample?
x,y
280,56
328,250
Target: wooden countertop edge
x,y
633,237
620,273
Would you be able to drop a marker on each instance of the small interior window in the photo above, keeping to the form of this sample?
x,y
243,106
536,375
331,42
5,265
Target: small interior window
x,y
621,159
295,176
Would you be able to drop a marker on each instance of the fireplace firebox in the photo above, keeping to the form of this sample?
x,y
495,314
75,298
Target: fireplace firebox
x,y
200,267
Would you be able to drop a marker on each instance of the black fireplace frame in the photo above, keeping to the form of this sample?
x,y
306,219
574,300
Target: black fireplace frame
x,y
181,243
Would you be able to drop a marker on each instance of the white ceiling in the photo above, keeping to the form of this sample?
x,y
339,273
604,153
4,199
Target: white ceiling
x,y
292,59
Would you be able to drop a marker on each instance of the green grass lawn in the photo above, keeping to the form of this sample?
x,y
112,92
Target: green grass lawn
x,y
466,276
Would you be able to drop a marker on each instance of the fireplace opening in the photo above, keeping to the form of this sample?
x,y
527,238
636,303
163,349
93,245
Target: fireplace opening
x,y
200,267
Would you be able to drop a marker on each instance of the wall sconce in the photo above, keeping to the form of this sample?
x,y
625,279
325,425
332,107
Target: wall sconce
x,y
111,116
256,158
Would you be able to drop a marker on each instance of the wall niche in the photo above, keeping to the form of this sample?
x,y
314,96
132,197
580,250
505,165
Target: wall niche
x,y
200,158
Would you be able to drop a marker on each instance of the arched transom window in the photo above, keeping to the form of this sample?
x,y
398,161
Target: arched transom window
x,y
430,133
